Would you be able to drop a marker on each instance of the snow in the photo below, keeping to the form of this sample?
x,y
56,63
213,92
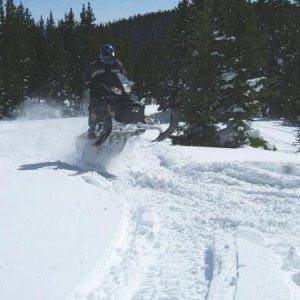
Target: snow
x,y
217,54
37,109
227,86
175,222
259,88
253,82
224,260
225,38
53,225
283,137
229,76
67,103
151,109
257,272
280,61
237,109
244,269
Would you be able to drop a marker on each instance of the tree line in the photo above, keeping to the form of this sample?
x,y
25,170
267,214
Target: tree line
x,y
226,62
219,63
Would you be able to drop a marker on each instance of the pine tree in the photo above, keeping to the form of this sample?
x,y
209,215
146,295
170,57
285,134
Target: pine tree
x,y
243,52
2,93
69,31
40,71
10,94
277,19
224,50
293,103
199,99
145,71
89,45
171,63
18,52
27,49
56,67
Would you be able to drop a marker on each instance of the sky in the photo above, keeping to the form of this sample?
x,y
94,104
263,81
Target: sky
x,y
105,10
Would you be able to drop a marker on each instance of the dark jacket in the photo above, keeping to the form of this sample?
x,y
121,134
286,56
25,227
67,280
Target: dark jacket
x,y
98,73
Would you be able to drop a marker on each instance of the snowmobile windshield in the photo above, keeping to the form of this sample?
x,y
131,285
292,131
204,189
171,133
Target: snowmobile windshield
x,y
126,83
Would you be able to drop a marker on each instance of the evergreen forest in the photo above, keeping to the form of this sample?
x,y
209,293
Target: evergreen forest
x,y
214,61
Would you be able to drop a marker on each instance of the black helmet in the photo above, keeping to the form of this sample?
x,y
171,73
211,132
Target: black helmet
x,y
107,53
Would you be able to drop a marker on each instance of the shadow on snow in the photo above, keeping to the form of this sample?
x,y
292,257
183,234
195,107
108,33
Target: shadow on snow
x,y
59,165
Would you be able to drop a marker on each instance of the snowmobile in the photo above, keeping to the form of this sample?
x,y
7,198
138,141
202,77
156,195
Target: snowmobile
x,y
125,117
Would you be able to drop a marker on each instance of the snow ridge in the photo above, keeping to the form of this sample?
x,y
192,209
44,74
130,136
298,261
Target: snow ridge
x,y
225,268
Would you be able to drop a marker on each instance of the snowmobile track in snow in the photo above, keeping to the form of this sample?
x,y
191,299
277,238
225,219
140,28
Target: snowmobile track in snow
x,y
184,222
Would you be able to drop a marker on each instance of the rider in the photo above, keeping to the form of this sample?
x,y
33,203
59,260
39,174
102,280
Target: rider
x,y
100,74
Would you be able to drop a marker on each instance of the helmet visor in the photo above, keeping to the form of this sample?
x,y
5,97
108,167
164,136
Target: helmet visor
x,y
107,52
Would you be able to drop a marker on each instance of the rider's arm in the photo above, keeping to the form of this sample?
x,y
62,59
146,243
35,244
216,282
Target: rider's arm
x,y
87,76
122,68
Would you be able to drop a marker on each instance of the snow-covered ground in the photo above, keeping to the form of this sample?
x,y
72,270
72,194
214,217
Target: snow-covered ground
x,y
174,223
284,138
53,224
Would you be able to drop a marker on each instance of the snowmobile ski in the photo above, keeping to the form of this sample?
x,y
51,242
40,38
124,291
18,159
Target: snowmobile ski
x,y
172,127
135,130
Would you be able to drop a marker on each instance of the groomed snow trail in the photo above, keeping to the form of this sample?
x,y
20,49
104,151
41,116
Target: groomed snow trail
x,y
196,223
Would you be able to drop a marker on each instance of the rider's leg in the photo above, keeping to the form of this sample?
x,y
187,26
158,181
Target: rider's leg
x,y
92,118
97,117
